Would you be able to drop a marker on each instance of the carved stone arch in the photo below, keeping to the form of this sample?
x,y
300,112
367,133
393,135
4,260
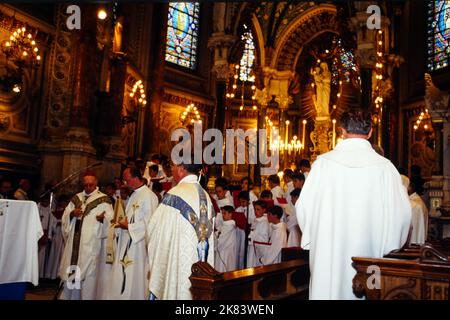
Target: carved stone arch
x,y
312,23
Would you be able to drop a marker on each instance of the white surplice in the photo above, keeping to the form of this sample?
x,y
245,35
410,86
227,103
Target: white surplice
x,y
56,249
278,241
277,192
353,204
419,219
292,227
130,268
46,220
89,248
173,240
225,258
259,232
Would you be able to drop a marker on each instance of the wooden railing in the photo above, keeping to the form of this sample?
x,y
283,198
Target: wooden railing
x,y
412,273
286,280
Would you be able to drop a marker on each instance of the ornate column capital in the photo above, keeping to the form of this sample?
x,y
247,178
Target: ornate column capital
x,y
220,43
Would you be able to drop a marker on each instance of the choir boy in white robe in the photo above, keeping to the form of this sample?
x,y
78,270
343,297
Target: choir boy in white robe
x,y
278,237
83,224
56,238
298,180
353,204
243,198
222,199
44,244
225,258
247,185
160,172
305,167
288,175
274,185
292,226
130,268
419,216
258,238
180,234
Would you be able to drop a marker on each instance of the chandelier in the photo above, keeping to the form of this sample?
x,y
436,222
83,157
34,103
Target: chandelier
x,y
190,115
21,52
21,49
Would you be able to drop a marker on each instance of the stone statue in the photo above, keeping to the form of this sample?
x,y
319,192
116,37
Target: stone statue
x,y
322,79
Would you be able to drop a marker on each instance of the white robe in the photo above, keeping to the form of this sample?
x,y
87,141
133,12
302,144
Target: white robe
x,y
419,219
278,241
221,203
353,204
292,227
46,221
225,258
240,238
56,249
260,232
277,192
173,242
130,268
89,250
289,189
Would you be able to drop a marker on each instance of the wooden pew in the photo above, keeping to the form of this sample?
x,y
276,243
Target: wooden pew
x,y
286,280
412,273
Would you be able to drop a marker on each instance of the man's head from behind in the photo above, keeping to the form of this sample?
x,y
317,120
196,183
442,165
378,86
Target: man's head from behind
x,y
356,124
275,214
184,169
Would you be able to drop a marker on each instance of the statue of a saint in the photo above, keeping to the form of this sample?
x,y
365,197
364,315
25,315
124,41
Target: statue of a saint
x,y
322,79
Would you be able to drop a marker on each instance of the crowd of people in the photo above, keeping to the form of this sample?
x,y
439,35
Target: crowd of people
x,y
140,235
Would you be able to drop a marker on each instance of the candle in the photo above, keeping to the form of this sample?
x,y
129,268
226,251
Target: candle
x,y
334,133
303,133
286,133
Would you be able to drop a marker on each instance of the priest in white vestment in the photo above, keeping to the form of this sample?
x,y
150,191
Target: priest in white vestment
x,y
83,221
353,204
180,234
130,269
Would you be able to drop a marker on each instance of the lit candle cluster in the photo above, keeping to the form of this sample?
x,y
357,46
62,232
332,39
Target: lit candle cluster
x,y
141,94
379,68
424,117
22,48
190,115
231,93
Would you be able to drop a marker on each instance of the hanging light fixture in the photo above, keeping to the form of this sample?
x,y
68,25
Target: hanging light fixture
x,y
190,115
21,52
21,49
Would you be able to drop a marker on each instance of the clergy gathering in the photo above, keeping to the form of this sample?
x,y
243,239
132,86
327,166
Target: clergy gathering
x,y
209,150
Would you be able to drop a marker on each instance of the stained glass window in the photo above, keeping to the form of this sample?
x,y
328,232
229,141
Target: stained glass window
x,y
248,57
182,33
438,36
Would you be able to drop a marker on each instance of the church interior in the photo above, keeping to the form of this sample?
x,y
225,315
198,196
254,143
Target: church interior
x,y
104,85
